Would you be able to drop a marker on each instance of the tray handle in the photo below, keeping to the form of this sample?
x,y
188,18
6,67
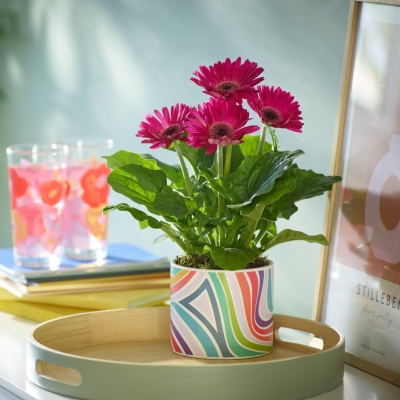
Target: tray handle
x,y
329,336
53,372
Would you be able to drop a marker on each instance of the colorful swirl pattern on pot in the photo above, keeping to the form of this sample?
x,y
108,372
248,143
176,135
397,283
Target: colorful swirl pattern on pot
x,y
221,314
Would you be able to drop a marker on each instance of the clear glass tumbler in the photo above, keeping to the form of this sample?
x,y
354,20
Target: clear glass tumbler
x,y
85,225
37,182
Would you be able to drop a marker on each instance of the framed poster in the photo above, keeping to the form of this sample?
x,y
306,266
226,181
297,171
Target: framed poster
x,y
359,291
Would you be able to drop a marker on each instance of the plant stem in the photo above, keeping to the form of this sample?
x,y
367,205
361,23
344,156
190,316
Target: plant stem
x,y
187,179
171,233
263,233
211,239
274,139
221,202
220,161
227,167
266,233
262,140
228,157
254,217
229,238
187,243
184,169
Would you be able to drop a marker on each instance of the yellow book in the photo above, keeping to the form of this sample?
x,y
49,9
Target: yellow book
x,y
6,295
106,300
139,281
38,312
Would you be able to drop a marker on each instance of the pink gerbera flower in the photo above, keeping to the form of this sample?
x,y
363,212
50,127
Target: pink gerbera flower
x,y
166,127
218,123
232,81
277,108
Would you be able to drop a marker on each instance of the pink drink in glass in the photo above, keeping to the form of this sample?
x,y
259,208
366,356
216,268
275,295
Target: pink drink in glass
x,y
85,232
37,200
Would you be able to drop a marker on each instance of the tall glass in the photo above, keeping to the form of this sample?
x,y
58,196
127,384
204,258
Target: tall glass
x,y
37,181
85,226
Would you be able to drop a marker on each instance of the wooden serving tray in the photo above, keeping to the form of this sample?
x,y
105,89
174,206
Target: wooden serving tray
x,y
125,354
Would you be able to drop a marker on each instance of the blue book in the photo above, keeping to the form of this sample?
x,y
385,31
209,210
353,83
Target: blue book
x,y
122,259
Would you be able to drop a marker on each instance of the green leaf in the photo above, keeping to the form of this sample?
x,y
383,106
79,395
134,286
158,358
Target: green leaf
x,y
250,145
236,221
308,184
206,231
288,235
143,224
252,222
137,214
237,157
211,210
173,172
271,166
138,183
256,176
203,194
217,221
172,203
283,185
198,247
201,218
123,157
233,227
231,258
289,211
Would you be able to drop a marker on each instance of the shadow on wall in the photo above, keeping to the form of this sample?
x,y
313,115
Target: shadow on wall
x,y
9,28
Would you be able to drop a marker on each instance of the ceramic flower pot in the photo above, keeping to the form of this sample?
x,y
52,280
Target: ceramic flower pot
x,y
222,314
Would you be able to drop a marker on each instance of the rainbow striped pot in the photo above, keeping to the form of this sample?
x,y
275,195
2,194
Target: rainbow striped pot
x,y
221,314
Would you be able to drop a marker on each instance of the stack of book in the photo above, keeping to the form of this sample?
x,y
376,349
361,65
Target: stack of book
x,y
128,277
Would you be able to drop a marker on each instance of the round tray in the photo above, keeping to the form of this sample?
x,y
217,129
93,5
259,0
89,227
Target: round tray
x,y
125,354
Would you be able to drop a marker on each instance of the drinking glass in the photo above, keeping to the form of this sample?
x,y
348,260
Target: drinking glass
x,y
37,182
85,226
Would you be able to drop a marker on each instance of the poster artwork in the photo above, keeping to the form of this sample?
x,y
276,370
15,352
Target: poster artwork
x,y
365,257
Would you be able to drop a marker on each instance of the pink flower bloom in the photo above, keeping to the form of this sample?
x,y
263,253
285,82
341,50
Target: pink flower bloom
x,y
232,81
166,127
218,123
276,108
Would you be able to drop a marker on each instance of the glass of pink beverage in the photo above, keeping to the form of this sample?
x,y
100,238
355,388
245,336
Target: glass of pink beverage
x,y
85,225
37,181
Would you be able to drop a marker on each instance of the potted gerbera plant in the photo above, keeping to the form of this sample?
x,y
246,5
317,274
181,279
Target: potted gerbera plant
x,y
223,213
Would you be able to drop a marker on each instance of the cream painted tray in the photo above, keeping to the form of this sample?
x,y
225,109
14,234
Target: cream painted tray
x,y
125,354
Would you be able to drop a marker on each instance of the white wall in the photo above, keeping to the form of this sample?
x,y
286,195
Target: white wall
x,y
96,67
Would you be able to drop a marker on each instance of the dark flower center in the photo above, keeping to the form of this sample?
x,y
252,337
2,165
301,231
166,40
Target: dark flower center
x,y
227,86
220,129
171,130
270,115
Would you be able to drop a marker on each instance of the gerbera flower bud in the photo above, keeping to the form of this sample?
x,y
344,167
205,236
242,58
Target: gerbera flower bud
x,y
232,81
277,108
166,127
218,123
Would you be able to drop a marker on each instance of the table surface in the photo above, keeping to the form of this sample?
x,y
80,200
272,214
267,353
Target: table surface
x,y
13,381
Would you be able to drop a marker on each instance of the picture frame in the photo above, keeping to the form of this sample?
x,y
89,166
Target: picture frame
x,y
358,289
